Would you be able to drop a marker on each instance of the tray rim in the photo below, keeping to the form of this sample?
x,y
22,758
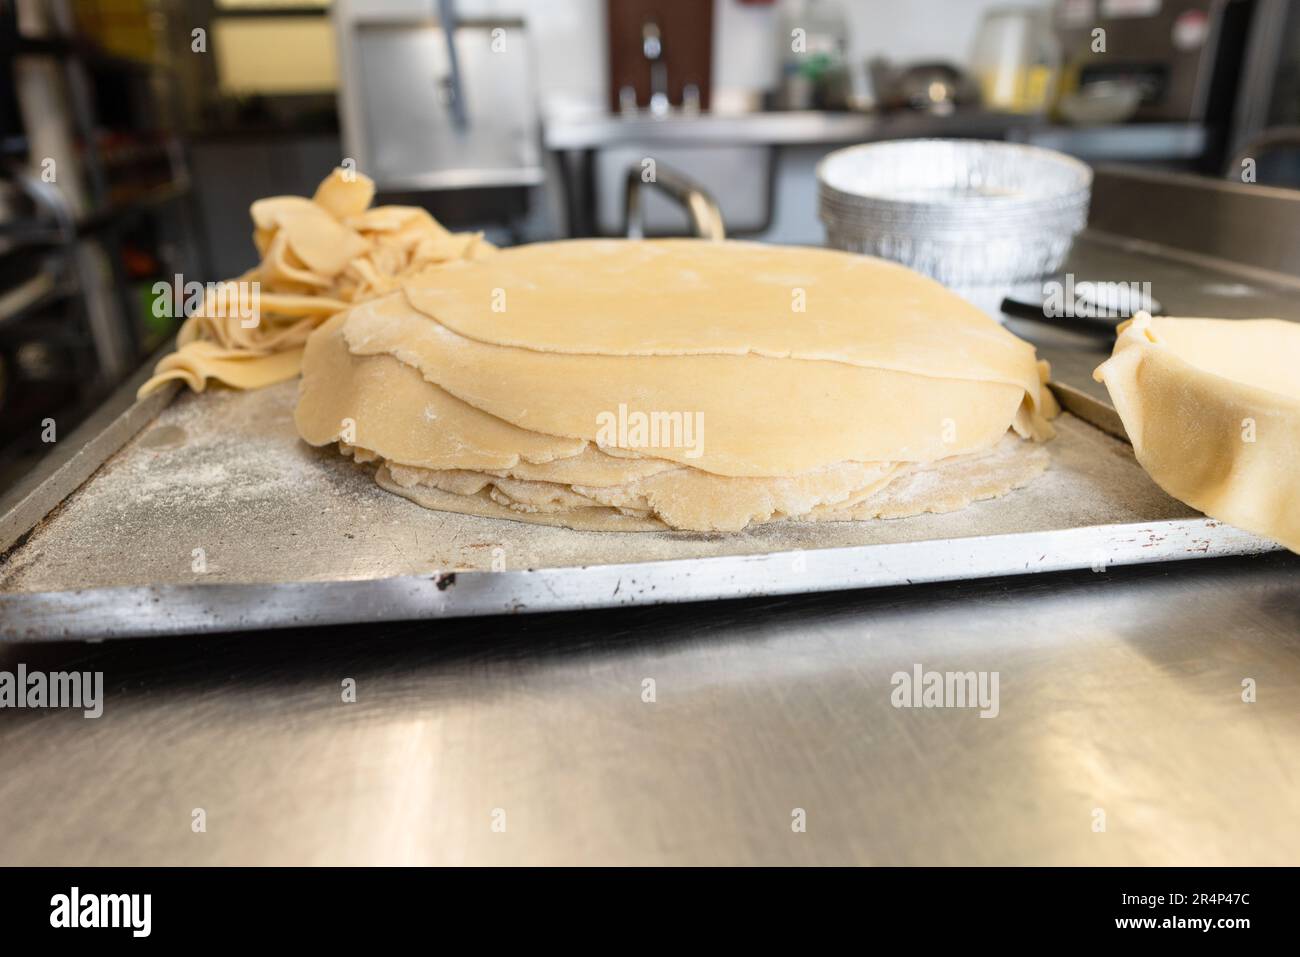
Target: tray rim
x,y
194,609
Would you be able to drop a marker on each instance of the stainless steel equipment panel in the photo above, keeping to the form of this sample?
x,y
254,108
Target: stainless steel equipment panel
x,y
406,105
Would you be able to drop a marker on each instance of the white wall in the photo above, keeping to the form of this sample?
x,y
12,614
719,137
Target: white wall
x,y
571,56
910,30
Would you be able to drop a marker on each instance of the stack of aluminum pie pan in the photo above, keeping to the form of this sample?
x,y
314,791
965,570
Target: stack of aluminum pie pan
x,y
970,213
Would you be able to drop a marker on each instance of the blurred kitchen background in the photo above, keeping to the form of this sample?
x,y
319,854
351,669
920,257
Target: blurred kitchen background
x,y
135,133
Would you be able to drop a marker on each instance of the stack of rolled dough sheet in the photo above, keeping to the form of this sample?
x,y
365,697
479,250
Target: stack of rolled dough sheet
x,y
684,384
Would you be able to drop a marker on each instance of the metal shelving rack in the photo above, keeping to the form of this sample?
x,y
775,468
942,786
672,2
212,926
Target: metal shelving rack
x,y
77,256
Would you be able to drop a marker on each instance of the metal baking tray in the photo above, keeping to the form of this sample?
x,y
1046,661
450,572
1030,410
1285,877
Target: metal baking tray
x,y
213,516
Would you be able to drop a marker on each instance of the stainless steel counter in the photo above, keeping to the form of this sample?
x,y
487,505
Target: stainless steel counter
x,y
1120,707
774,128
814,127
1118,691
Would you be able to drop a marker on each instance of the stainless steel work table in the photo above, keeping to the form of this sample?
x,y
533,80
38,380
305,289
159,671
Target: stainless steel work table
x,y
1121,704
1119,691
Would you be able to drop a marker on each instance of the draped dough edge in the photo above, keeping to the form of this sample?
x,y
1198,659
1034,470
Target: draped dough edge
x,y
481,504
1189,429
938,487
387,406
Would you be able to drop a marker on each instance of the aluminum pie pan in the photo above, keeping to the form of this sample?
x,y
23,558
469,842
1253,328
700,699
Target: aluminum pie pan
x,y
965,212
1069,217
832,207
990,212
947,177
1069,220
990,259
918,218
957,207
1064,220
